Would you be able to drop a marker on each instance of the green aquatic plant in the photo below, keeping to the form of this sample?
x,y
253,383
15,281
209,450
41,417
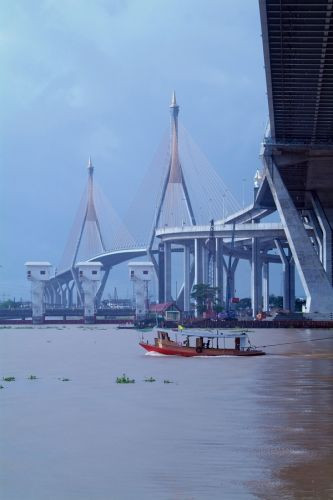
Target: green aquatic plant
x,y
32,377
124,380
65,379
8,379
150,379
1,387
166,381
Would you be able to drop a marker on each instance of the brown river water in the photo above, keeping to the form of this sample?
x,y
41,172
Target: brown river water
x,y
226,428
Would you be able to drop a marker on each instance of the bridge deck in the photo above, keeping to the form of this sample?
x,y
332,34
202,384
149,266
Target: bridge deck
x,y
298,50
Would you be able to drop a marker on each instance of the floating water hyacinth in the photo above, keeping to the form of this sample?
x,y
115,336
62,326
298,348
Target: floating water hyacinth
x,y
1,387
167,381
124,380
8,379
150,379
32,377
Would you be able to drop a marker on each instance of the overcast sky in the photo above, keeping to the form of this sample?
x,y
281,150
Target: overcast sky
x,y
95,78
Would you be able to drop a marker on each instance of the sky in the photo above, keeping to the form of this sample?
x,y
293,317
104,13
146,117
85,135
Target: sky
x,y
84,78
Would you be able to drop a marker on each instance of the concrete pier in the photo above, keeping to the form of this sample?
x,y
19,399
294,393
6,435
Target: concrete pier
x,y
90,278
38,273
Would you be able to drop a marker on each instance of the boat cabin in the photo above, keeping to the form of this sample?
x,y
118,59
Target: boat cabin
x,y
163,339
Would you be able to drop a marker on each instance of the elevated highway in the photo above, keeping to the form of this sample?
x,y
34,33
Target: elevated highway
x,y
298,148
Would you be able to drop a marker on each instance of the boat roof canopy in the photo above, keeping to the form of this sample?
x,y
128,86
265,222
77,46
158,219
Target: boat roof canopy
x,y
207,334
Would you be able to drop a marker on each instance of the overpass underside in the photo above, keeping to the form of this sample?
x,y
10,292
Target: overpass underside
x,y
298,147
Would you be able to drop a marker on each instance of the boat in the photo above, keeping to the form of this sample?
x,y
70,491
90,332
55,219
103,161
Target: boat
x,y
201,343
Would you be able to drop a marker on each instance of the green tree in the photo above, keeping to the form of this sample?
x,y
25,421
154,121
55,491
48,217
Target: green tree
x,y
244,303
299,303
276,301
205,296
8,304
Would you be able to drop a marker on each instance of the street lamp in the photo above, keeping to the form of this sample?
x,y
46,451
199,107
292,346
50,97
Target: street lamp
x,y
223,202
243,192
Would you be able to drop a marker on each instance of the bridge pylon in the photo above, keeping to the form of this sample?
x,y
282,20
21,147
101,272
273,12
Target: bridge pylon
x,y
174,208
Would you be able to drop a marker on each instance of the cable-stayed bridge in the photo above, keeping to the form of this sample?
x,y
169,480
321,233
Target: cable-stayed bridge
x,y
187,190
185,193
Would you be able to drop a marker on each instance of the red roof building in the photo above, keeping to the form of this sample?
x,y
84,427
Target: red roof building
x,y
169,310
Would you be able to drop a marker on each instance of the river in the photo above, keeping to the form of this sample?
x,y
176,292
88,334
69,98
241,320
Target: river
x,y
225,428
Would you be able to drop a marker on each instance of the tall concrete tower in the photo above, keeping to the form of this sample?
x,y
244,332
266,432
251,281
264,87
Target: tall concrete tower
x,y
90,241
175,173
175,207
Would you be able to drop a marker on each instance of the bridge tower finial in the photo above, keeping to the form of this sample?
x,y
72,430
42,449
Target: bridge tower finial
x,y
90,166
175,169
174,200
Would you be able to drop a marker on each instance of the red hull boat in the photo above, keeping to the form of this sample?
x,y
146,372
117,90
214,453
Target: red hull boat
x,y
164,345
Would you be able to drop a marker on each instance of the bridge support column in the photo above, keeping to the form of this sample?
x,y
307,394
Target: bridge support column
x,y
265,286
167,272
197,264
205,265
63,289
57,295
51,294
100,291
46,298
197,261
318,289
219,270
288,269
224,281
327,241
316,240
232,286
186,278
70,294
256,278
161,286
292,295
79,290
